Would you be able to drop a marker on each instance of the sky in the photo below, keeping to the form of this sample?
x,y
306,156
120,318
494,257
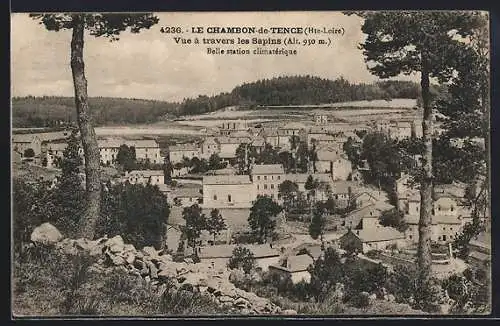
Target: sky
x,y
150,65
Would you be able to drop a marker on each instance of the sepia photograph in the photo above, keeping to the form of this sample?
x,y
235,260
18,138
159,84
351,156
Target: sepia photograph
x,y
276,164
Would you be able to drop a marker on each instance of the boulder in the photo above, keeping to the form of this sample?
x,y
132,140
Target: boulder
x,y
115,260
391,298
241,303
130,258
46,234
128,248
150,251
115,244
288,312
225,298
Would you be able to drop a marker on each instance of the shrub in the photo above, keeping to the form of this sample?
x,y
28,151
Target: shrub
x,y
242,258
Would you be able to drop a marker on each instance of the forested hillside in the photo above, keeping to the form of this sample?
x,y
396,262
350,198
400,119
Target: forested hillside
x,y
48,110
300,90
295,90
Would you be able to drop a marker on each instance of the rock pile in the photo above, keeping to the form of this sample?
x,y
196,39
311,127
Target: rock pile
x,y
159,269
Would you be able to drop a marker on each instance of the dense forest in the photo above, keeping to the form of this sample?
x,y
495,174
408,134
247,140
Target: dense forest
x,y
47,111
300,90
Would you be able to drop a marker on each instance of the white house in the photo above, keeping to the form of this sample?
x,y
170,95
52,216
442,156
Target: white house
x,y
154,177
378,238
267,178
295,267
226,191
177,153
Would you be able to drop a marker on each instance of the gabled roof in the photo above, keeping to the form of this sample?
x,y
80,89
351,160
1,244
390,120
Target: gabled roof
x,y
145,173
435,219
57,146
25,138
233,140
378,234
296,263
302,177
226,180
267,169
367,211
187,192
183,148
342,187
142,143
324,155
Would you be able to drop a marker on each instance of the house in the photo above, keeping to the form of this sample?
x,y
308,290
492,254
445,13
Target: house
x,y
267,178
400,130
480,249
337,165
153,177
228,145
229,127
379,238
294,267
444,228
343,191
177,153
209,146
284,142
225,191
321,119
108,150
22,142
355,218
365,198
320,139
54,152
219,255
145,150
293,128
187,196
259,143
301,178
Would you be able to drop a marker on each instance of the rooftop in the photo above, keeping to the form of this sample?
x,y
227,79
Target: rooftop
x,y
302,177
342,187
226,251
436,219
186,192
296,263
226,180
326,155
267,169
145,173
379,234
183,147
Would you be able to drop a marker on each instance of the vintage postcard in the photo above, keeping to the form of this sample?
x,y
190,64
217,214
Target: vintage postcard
x,y
180,164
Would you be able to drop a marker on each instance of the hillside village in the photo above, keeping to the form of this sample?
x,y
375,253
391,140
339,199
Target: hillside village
x,y
245,165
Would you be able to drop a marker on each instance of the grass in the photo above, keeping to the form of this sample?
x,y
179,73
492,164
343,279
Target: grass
x,y
46,283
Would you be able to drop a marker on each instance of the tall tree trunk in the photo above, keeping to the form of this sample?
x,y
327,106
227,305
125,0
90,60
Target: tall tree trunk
x,y
426,187
89,142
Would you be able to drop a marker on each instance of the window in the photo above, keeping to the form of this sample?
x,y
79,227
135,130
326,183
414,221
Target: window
x,y
444,229
451,229
265,186
452,208
272,195
272,177
190,199
229,198
215,197
257,187
265,177
410,237
258,177
279,177
439,207
272,186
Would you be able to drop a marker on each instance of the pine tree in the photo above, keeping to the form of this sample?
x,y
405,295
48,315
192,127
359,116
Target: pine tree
x,y
215,223
69,195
